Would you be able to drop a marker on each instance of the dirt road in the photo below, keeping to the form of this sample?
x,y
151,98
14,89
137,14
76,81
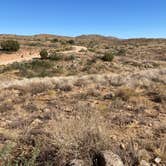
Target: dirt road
x,y
28,54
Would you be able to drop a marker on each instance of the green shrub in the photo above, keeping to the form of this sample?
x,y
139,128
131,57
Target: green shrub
x,y
38,64
108,56
54,40
63,42
82,50
44,54
54,56
70,58
91,49
35,44
71,41
10,45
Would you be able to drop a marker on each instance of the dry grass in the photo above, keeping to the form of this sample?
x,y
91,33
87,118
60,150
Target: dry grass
x,y
79,106
81,134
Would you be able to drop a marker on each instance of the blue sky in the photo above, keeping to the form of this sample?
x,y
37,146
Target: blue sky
x,y
120,18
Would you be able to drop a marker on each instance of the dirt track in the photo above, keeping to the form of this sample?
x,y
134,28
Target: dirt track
x,y
25,55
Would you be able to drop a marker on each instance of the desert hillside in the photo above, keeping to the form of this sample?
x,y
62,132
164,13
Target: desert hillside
x,y
92,101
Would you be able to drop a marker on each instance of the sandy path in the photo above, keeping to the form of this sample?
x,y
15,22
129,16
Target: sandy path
x,y
76,49
27,54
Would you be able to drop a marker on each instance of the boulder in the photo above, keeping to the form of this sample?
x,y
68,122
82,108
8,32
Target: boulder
x,y
107,158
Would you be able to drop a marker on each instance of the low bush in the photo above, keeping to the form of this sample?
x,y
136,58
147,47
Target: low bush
x,y
10,45
71,42
91,49
54,56
108,56
70,58
44,54
54,40
35,44
125,93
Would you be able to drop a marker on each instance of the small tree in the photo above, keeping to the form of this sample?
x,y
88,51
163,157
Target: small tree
x,y
44,54
10,45
71,42
108,56
54,40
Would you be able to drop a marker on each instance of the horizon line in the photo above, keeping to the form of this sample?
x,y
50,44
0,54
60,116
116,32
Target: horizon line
x,y
84,34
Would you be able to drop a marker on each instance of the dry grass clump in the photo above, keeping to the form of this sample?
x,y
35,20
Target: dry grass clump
x,y
76,136
157,93
75,129
125,93
60,140
6,106
7,99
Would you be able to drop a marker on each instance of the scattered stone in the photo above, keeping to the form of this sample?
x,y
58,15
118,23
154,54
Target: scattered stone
x,y
157,160
112,159
144,163
109,96
36,123
107,158
129,107
143,155
77,162
151,113
46,110
122,146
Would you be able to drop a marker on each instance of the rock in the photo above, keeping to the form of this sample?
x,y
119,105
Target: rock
x,y
109,96
112,159
46,110
144,163
107,158
143,155
129,107
122,146
35,123
157,160
77,162
151,113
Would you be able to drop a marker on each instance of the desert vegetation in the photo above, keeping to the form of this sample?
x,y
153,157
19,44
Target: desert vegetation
x,y
44,54
108,56
100,106
10,45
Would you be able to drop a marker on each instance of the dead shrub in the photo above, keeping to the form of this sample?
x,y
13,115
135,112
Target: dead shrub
x,y
157,93
125,93
6,106
78,135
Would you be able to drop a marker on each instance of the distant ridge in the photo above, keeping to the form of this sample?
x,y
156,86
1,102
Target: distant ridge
x,y
89,37
97,37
